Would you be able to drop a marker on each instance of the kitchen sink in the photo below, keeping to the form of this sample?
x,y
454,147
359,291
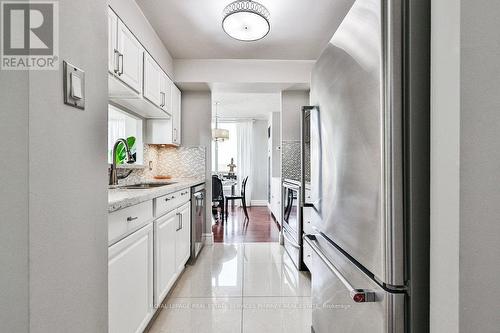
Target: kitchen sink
x,y
145,186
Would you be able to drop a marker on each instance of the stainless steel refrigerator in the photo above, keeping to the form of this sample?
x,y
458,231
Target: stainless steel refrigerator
x,y
369,165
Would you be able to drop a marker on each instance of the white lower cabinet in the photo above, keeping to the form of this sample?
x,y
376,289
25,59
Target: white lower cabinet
x,y
130,282
307,255
172,248
165,244
183,236
143,265
276,198
307,221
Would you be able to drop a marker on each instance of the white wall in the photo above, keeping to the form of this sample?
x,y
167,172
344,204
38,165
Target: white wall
x,y
242,71
445,166
54,192
132,15
480,167
291,108
259,167
465,214
68,182
14,222
197,131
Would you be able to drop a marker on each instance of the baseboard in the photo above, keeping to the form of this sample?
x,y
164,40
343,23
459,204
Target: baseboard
x,y
208,239
259,203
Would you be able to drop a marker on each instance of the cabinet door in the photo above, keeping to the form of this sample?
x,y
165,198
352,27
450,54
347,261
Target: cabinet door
x,y
183,237
112,51
165,266
152,78
276,198
176,115
166,90
158,131
130,58
306,221
130,282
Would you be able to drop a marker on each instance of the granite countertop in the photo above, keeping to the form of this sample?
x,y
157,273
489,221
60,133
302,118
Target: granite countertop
x,y
119,198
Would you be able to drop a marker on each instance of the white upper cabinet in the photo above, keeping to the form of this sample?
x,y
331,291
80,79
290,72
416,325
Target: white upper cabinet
x,y
167,131
166,92
176,115
112,43
137,82
130,53
152,81
157,85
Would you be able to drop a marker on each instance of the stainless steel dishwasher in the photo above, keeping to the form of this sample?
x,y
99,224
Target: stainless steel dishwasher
x,y
198,216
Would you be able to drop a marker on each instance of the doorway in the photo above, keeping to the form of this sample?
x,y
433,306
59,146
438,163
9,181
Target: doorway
x,y
241,150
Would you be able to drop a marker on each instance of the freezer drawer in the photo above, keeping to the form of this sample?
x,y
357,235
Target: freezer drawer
x,y
345,300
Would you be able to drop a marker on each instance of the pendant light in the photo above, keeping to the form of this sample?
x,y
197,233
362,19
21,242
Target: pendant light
x,y
219,134
246,20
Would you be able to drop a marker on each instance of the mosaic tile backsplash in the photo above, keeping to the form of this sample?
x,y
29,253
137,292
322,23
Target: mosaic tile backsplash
x,y
182,162
290,160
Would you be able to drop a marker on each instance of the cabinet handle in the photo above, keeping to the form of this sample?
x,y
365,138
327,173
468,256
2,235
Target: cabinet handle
x,y
162,99
130,218
116,61
120,56
175,134
179,222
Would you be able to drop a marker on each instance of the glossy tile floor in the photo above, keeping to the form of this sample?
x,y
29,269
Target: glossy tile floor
x,y
260,227
251,287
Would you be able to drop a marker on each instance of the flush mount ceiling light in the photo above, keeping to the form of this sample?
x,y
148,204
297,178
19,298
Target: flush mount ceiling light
x,y
246,20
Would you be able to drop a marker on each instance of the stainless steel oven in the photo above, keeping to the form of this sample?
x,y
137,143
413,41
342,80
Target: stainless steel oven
x,y
292,221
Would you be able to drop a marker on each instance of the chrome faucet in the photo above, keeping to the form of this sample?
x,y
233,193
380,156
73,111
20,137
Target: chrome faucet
x,y
113,177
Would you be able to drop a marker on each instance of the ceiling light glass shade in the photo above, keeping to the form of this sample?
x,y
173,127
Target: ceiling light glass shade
x,y
220,134
246,20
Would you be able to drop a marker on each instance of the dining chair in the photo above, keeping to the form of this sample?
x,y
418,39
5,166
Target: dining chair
x,y
241,197
218,194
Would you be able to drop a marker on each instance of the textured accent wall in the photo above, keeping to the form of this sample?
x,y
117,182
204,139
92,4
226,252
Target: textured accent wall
x,y
307,158
290,151
182,162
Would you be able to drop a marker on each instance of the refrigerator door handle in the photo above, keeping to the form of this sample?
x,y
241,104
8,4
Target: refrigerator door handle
x,y
303,121
357,295
315,157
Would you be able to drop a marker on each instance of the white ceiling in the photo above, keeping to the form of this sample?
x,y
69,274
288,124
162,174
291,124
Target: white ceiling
x,y
191,29
246,105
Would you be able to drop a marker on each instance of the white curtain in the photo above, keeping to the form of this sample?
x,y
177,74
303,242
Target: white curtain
x,y
245,158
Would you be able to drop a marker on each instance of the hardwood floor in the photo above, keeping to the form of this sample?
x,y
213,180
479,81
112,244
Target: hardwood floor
x,y
261,227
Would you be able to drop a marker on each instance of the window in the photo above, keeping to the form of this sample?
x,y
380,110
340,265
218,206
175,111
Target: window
x,y
123,125
224,151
